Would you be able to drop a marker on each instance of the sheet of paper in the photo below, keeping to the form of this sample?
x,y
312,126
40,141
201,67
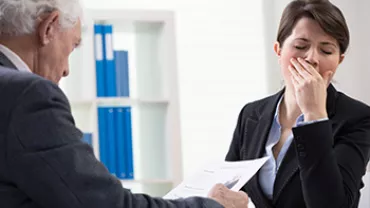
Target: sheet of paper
x,y
233,175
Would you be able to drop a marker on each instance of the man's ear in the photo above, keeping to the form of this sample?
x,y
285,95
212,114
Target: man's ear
x,y
341,58
48,27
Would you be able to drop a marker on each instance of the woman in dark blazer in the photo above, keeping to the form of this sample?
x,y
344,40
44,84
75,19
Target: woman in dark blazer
x,y
317,139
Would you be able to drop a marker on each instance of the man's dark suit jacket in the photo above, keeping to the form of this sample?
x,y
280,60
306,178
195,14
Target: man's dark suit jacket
x,y
44,162
324,164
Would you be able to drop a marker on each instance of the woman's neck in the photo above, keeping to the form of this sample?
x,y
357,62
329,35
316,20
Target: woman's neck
x,y
289,109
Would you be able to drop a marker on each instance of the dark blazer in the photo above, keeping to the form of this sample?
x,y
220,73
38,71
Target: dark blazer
x,y
44,162
325,163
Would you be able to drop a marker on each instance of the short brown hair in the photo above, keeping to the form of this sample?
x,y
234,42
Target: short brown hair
x,y
326,14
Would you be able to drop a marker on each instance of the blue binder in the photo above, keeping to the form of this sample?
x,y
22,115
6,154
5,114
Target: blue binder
x,y
121,144
122,73
111,141
110,69
128,141
102,132
99,63
87,137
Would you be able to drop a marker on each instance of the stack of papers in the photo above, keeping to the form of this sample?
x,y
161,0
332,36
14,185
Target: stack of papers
x,y
233,175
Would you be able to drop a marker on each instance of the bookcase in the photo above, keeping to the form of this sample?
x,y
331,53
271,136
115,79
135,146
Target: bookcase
x,y
149,38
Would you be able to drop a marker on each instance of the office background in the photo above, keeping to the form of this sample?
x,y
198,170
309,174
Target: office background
x,y
225,58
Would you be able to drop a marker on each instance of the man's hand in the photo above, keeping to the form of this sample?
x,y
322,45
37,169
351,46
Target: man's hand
x,y
228,198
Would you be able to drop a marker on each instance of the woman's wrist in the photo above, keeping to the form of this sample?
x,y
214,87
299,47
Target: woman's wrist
x,y
313,116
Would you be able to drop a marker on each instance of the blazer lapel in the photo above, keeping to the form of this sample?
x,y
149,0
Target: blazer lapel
x,y
289,166
257,132
330,101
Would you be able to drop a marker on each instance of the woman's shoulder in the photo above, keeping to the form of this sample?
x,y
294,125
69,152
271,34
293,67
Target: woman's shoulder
x,y
259,105
351,107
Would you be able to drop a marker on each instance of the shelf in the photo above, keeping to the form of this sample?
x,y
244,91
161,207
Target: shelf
x,y
153,187
118,101
128,102
130,15
81,102
149,37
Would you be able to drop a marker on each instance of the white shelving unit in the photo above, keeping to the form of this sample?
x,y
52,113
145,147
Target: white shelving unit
x,y
150,39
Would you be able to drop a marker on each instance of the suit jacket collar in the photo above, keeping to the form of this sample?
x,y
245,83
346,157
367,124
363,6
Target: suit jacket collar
x,y
258,128
4,61
258,138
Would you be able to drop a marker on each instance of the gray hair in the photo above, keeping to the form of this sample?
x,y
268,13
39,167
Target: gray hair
x,y
18,17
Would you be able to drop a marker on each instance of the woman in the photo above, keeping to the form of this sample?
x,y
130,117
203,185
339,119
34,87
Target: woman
x,y
317,139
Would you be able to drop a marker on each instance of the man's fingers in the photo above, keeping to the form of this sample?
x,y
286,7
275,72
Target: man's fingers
x,y
216,189
243,194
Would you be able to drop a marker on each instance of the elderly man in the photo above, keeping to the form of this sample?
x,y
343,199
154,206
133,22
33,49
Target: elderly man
x,y
43,162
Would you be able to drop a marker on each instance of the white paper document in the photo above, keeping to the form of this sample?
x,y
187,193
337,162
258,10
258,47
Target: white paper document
x,y
233,175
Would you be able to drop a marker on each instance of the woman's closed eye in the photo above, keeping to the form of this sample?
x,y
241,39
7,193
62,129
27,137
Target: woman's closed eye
x,y
326,52
303,47
300,47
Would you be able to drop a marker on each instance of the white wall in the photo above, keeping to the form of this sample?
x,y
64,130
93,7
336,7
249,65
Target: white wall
x,y
221,64
354,74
